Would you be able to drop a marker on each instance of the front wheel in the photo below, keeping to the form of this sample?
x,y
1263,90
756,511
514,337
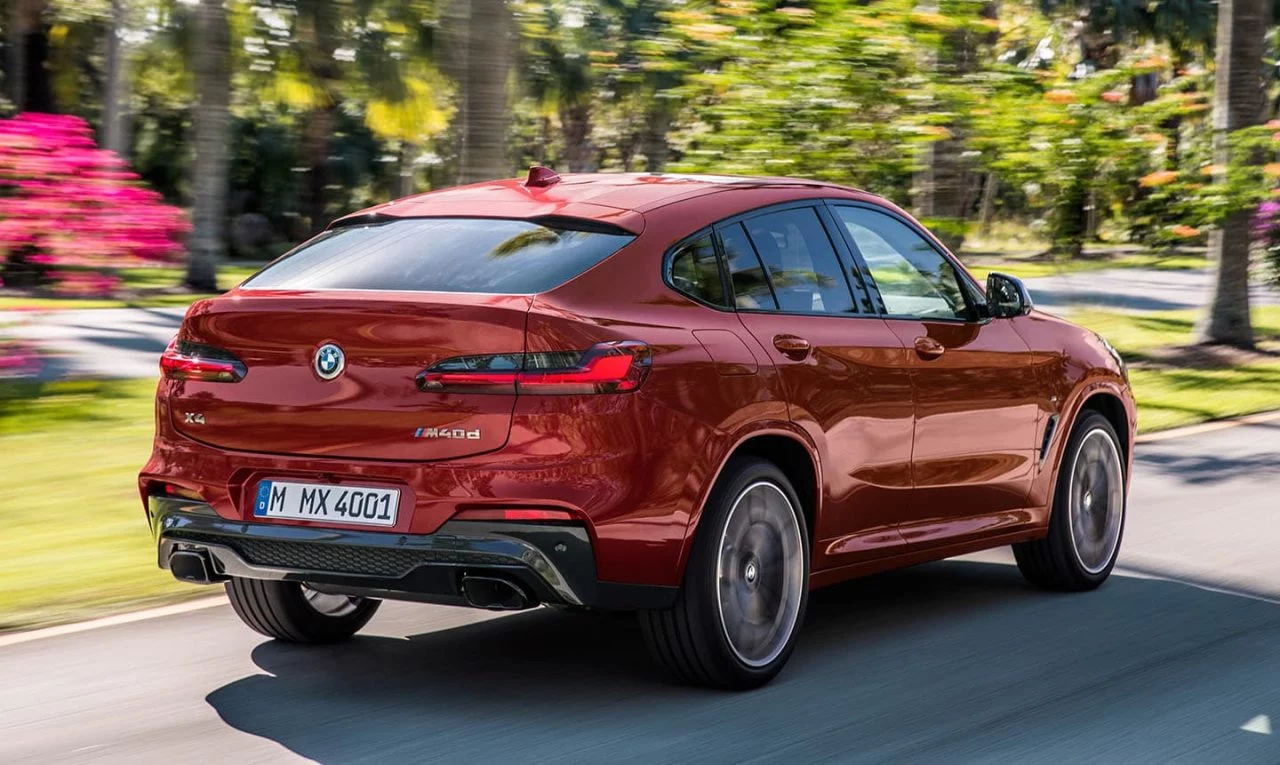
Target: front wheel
x,y
1087,520
735,620
296,613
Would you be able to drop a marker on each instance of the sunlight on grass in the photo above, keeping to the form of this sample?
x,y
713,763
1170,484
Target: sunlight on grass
x,y
75,540
1169,398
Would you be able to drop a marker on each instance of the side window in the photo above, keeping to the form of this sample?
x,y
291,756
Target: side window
x,y
914,279
802,265
695,271
750,286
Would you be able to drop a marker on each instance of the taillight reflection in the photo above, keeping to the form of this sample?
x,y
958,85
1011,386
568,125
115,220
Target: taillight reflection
x,y
184,360
613,367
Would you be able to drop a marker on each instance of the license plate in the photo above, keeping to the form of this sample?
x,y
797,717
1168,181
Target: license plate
x,y
318,502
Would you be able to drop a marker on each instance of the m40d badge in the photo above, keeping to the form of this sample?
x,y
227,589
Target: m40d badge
x,y
462,433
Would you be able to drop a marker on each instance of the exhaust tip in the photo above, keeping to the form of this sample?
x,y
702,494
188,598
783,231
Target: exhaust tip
x,y
189,566
494,594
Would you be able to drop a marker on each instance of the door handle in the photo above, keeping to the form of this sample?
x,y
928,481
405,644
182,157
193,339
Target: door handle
x,y
928,348
790,345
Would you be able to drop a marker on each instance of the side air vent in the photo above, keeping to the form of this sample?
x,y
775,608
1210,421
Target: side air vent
x,y
1048,437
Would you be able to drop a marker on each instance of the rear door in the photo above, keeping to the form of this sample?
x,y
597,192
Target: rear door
x,y
843,370
975,384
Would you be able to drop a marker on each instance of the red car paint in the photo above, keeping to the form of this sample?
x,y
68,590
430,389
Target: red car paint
x,y
922,437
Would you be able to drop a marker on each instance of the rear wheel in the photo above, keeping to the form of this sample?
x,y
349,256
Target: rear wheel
x,y
1088,513
736,617
297,613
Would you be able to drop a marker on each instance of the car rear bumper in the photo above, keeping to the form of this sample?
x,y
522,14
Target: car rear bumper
x,y
548,563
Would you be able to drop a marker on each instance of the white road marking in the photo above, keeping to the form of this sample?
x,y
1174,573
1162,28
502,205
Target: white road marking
x,y
112,621
1260,724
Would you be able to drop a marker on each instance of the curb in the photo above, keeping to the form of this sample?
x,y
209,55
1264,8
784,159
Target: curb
x,y
112,621
1208,427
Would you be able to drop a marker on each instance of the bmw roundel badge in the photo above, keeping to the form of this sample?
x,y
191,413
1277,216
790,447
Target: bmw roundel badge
x,y
329,361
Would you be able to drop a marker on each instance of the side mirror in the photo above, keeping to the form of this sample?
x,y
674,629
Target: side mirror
x,y
1007,296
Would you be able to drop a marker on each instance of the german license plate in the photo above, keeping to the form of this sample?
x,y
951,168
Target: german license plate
x,y
320,502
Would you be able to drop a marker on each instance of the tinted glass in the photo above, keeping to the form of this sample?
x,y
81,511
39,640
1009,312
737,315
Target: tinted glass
x,y
750,285
441,255
914,278
802,265
695,271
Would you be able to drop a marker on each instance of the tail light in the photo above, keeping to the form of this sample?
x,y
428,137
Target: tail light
x,y
184,360
614,367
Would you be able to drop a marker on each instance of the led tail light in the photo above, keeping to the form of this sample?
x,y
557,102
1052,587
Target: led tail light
x,y
614,367
184,360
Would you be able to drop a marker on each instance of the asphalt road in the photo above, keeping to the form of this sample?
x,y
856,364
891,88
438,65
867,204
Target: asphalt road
x,y
958,661
127,342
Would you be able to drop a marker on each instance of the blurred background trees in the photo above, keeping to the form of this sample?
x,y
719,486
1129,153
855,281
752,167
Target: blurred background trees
x,y
1082,121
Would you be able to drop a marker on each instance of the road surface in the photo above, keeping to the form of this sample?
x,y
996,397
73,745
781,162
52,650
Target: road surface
x,y
127,342
958,661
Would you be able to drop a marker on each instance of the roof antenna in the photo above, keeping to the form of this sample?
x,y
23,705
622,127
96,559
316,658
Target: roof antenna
x,y
541,177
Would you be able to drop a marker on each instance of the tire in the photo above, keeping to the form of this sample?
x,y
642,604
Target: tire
x,y
1084,539
753,517
292,612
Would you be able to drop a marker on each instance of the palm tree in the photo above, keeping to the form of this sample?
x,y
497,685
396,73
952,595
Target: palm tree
x,y
115,98
483,85
1239,101
213,136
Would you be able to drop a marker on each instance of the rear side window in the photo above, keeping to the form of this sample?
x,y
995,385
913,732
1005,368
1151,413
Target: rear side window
x,y
750,285
803,267
695,271
489,255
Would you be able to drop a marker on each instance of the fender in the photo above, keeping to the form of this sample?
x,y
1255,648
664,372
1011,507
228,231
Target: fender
x,y
753,430
1042,489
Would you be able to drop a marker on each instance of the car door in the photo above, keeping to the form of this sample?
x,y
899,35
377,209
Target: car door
x,y
974,381
843,371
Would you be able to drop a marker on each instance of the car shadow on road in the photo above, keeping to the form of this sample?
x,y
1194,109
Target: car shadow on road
x,y
948,662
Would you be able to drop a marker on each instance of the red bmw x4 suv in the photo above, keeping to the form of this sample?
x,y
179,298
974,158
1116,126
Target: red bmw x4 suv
x,y
692,397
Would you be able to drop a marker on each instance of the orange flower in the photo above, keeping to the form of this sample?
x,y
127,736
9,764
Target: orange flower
x,y
1272,169
1153,62
1184,231
1159,178
1153,137
1113,96
1060,96
1213,169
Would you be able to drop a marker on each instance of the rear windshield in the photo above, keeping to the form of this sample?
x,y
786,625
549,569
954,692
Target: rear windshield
x,y
490,255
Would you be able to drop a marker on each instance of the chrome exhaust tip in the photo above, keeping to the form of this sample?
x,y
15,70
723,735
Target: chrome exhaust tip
x,y
494,594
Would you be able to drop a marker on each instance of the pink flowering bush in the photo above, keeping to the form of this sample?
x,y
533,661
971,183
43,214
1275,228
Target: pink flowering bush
x,y
71,213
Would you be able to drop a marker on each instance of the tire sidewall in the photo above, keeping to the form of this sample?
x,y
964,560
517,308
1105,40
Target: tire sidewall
x,y
1061,521
700,576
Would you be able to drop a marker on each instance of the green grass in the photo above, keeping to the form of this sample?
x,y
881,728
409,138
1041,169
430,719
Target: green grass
x,y
1170,397
75,542
1028,267
146,287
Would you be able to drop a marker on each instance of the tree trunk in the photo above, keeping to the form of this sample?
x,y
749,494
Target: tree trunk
x,y
213,136
408,176
1238,101
319,132
115,102
987,210
29,86
656,150
484,93
575,124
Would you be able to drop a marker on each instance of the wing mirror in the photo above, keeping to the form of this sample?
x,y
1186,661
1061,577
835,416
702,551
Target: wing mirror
x,y
1007,296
